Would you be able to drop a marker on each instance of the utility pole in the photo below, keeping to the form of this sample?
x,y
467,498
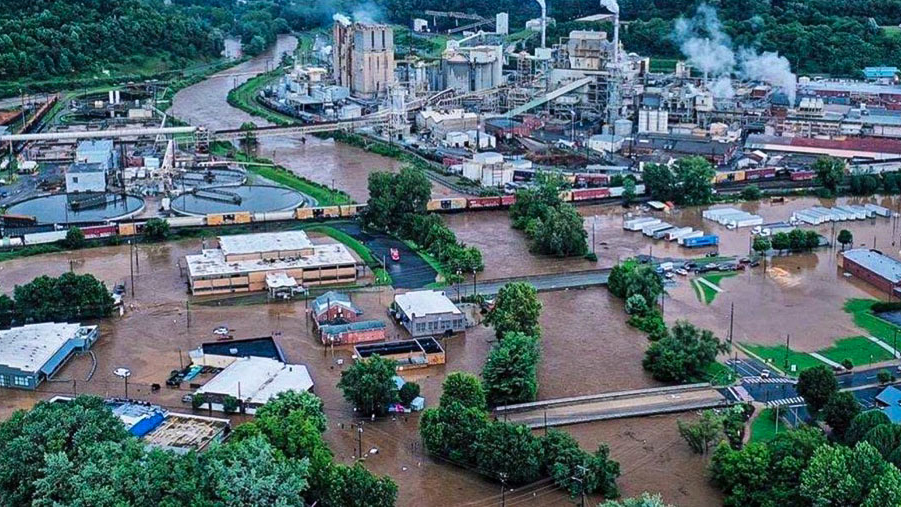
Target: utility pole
x,y
787,345
503,477
475,286
731,321
579,479
131,267
360,441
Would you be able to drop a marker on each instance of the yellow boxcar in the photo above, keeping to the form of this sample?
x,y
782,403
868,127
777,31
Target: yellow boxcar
x,y
127,229
566,196
303,213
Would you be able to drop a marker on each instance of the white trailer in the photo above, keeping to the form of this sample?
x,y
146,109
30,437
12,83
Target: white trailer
x,y
693,234
879,210
650,230
675,234
636,224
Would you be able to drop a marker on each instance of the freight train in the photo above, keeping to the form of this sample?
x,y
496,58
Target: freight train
x,y
131,228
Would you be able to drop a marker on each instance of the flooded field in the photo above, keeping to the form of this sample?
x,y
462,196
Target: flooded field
x,y
321,160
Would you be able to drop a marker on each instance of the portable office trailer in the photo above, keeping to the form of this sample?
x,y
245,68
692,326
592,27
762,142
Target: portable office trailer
x,y
690,235
878,210
637,223
675,234
650,230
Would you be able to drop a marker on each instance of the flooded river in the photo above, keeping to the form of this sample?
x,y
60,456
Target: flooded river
x,y
321,160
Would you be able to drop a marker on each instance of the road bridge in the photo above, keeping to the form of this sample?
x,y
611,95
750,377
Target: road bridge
x,y
542,283
616,405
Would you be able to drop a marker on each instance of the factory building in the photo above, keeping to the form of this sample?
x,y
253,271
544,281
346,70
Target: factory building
x,y
85,177
97,151
871,266
472,68
489,169
363,57
33,353
242,263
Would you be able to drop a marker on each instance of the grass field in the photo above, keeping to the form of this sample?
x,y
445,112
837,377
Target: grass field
x,y
863,318
763,428
719,374
244,98
858,349
776,355
706,294
324,196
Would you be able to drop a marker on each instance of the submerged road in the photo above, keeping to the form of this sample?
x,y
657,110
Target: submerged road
x,y
542,283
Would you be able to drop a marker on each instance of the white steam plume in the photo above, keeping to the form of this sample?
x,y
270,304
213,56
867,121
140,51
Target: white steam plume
x,y
367,13
341,18
610,5
769,68
704,43
722,88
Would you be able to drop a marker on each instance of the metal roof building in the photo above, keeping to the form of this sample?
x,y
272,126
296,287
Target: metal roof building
x,y
255,380
30,354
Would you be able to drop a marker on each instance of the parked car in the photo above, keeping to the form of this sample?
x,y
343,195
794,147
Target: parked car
x,y
395,254
764,373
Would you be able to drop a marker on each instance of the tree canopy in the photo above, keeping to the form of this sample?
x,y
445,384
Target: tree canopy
x,y
684,354
516,309
68,298
369,384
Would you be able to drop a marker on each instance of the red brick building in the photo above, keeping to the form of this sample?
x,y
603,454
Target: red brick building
x,y
871,266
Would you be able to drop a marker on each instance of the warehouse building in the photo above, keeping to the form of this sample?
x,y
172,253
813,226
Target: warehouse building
x,y
428,312
33,353
85,177
871,266
253,381
242,263
97,151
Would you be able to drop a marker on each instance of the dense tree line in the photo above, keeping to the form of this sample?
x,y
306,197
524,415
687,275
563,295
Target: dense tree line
x,y
689,182
67,298
398,205
460,431
79,453
555,227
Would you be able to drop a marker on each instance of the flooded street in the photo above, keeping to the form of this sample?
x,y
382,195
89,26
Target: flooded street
x,y
321,160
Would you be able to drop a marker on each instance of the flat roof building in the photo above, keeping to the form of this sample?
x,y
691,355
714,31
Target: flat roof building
x,y
97,151
242,263
85,177
253,381
875,268
428,312
33,353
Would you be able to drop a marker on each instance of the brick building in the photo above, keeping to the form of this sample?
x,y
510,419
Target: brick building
x,y
873,267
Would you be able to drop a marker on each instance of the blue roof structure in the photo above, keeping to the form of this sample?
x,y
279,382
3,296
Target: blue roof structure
x,y
880,72
890,397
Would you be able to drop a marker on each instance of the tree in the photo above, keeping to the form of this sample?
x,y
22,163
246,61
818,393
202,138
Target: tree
x,y
887,490
761,245
516,309
285,403
75,238
560,232
354,486
742,475
839,411
70,297
510,370
816,385
7,310
659,182
156,229
695,178
395,198
369,384
535,202
251,472
845,238
838,475
751,193
830,172
704,432
645,500
452,431
464,388
684,354
862,423
636,305
510,451
886,438
198,400
408,392
229,404
628,191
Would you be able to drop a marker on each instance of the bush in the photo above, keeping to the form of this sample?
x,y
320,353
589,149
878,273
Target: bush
x,y
156,229
74,238
408,392
847,364
229,404
636,305
751,193
884,377
197,401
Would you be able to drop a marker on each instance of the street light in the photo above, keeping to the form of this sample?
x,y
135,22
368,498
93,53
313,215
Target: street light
x,y
123,373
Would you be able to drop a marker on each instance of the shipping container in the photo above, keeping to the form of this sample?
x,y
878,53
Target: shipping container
x,y
483,202
693,234
40,238
566,196
175,222
878,210
241,217
701,241
662,233
591,193
675,234
303,213
650,230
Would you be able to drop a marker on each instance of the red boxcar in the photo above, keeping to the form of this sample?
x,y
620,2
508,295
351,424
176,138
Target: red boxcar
x,y
100,231
448,161
759,174
590,193
508,200
591,180
803,175
483,202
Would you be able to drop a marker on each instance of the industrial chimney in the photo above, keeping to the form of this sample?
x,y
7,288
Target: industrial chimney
x,y
543,21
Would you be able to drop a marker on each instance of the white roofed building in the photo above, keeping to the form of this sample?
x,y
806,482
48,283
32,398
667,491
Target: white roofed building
x,y
33,353
253,381
428,312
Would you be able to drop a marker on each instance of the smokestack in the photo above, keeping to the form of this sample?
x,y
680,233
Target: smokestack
x,y
543,22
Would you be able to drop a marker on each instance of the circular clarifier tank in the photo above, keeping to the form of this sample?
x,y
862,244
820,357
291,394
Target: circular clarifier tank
x,y
78,208
231,199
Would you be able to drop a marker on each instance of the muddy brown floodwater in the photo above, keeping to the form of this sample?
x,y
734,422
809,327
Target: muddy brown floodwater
x,y
321,160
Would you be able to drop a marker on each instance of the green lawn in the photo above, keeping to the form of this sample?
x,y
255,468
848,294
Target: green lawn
x,y
706,294
244,98
775,355
763,428
324,196
719,374
858,349
860,312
